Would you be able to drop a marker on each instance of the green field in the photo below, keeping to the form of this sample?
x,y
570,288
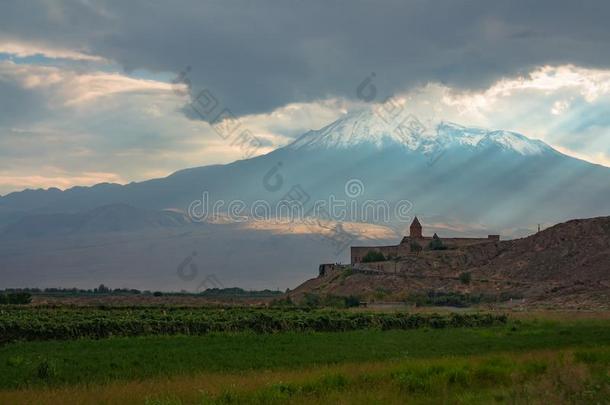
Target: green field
x,y
519,361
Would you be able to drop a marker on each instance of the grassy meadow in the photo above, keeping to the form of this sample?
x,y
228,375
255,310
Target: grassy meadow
x,y
526,360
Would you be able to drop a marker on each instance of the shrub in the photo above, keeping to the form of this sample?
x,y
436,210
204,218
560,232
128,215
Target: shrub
x,y
336,301
373,256
465,278
311,300
436,243
282,302
46,370
347,272
74,323
445,299
380,293
352,301
20,298
333,301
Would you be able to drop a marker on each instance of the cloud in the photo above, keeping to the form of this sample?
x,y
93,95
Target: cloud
x,y
131,129
282,125
24,49
589,84
68,87
17,105
90,126
565,106
260,58
100,98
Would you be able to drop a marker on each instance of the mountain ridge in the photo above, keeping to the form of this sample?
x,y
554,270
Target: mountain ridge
x,y
539,184
107,218
299,141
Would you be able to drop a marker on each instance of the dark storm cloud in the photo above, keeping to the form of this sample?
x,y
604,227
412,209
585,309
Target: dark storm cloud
x,y
18,105
256,56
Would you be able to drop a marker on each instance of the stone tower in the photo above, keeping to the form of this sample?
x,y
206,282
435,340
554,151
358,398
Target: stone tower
x,y
415,229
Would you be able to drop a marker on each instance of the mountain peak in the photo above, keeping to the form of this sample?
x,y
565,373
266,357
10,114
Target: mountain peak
x,y
368,128
360,127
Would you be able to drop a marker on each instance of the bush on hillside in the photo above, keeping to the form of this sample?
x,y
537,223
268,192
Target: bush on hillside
x,y
373,256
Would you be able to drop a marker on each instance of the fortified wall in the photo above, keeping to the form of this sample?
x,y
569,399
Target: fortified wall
x,y
416,242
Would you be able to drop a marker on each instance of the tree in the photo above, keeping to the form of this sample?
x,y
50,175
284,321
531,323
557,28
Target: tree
x,y
415,247
102,289
373,256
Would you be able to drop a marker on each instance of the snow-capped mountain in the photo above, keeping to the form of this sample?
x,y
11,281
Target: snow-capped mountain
x,y
370,128
458,173
459,180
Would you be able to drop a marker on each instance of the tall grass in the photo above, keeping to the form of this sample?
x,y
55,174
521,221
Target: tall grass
x,y
553,377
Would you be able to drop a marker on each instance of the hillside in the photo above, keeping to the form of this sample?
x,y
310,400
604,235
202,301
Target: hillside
x,y
567,265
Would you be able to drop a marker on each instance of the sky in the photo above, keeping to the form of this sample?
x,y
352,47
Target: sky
x,y
88,89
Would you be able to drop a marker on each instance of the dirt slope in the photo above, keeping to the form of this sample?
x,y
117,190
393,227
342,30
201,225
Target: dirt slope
x,y
567,265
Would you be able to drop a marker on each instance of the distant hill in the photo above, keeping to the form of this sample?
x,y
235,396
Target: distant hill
x,y
108,218
566,265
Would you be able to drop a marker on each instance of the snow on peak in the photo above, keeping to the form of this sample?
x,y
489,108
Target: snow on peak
x,y
371,128
363,127
451,133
